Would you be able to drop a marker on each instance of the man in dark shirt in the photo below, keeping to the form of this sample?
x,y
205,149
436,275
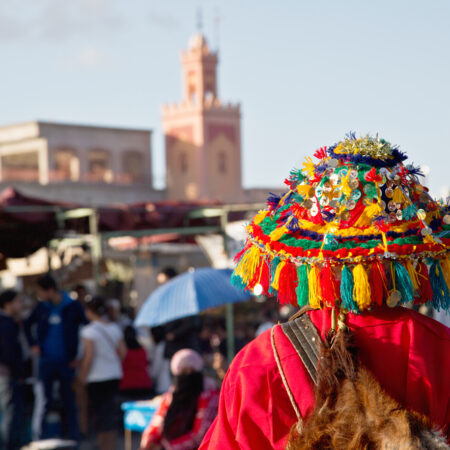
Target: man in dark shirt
x,y
52,331
11,370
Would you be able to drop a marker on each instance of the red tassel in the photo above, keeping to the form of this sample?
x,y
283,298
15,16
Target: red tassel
x,y
425,289
329,287
378,283
264,278
287,284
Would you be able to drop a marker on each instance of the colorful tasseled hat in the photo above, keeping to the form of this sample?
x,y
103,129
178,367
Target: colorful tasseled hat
x,y
355,229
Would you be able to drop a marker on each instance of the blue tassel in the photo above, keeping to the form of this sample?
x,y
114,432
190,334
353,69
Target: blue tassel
x,y
404,283
441,296
347,290
273,269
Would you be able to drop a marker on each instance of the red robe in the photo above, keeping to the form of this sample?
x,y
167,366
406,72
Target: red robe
x,y
408,353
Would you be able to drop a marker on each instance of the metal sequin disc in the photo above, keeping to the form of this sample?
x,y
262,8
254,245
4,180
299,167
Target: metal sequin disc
x,y
354,184
394,298
333,163
345,216
421,214
350,204
446,219
308,204
327,187
399,215
334,178
356,194
314,210
392,206
389,192
353,174
324,201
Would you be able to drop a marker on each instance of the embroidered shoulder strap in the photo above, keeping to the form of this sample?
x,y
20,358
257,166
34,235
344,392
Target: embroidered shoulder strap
x,y
305,339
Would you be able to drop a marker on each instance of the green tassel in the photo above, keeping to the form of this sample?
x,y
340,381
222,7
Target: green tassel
x,y
302,287
441,295
403,283
273,269
236,281
347,290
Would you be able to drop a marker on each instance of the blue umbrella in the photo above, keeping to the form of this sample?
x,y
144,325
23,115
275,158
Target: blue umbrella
x,y
187,295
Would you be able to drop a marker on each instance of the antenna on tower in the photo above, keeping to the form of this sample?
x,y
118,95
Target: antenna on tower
x,y
199,20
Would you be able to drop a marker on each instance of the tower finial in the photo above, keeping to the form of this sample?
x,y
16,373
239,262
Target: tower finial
x,y
199,19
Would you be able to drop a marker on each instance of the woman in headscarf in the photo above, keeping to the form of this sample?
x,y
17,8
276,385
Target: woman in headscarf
x,y
186,410
355,237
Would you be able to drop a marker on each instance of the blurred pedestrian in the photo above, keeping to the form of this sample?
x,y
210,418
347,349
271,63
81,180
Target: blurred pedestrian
x,y
186,410
135,382
52,333
115,314
160,366
101,369
12,370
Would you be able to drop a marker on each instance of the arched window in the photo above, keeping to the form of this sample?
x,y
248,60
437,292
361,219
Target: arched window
x,y
99,166
133,166
67,165
222,162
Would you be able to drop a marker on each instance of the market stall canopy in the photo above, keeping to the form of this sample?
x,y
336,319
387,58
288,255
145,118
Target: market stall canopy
x,y
27,223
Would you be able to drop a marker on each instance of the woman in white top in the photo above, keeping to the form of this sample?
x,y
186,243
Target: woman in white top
x,y
101,369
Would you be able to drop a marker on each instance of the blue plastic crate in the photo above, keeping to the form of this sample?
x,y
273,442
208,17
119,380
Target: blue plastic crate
x,y
137,415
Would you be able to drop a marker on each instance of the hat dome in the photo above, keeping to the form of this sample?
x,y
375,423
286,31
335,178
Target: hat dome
x,y
354,216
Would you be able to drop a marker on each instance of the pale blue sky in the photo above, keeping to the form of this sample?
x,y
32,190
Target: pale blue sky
x,y
305,72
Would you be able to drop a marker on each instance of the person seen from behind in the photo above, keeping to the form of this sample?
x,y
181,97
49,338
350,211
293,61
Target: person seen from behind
x,y
355,237
52,333
186,410
135,382
12,371
101,371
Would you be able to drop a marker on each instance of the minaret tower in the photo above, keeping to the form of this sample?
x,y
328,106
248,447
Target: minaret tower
x,y
202,135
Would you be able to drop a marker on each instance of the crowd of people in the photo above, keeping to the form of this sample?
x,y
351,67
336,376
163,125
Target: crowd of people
x,y
68,363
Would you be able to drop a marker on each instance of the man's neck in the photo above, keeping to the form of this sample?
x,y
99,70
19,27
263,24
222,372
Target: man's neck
x,y
57,299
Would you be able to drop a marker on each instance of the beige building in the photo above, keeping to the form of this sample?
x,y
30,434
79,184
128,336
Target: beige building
x,y
202,135
86,164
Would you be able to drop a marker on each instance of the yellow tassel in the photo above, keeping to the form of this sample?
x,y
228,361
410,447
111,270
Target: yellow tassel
x,y
365,219
383,235
445,265
345,185
278,233
248,264
260,217
399,196
314,287
429,239
361,287
276,277
304,190
413,275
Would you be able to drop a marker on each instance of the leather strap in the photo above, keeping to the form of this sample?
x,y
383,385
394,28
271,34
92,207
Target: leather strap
x,y
305,339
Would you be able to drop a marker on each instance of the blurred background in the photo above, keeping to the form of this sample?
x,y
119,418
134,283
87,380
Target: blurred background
x,y
137,138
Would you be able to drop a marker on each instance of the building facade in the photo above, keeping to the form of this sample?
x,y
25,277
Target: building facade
x,y
202,135
78,163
